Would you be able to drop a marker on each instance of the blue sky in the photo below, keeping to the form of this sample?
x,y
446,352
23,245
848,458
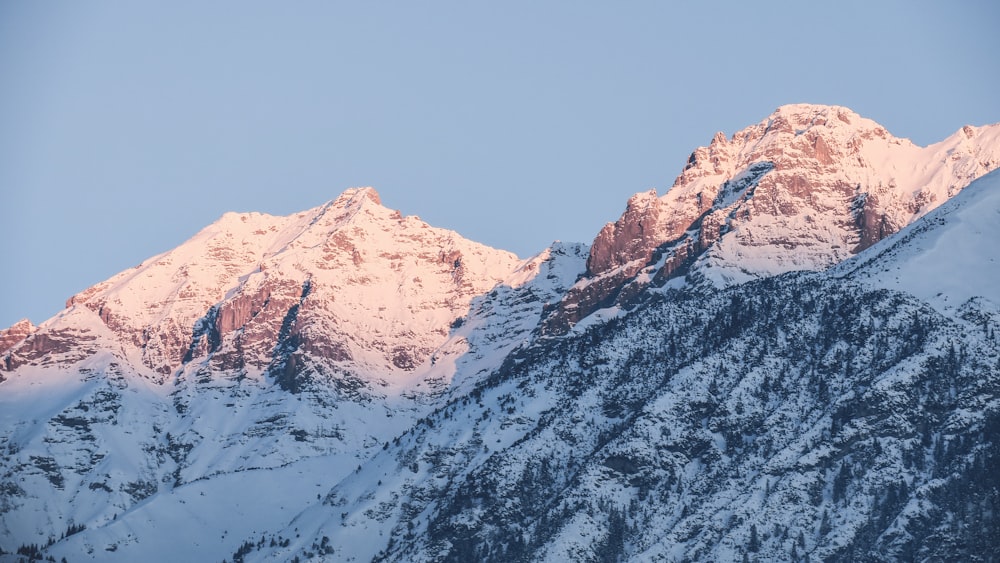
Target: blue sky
x,y
126,126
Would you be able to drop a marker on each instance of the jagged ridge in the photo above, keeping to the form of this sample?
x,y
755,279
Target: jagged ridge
x,y
802,190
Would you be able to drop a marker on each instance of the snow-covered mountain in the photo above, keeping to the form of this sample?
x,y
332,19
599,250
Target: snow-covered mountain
x,y
259,344
350,286
674,391
806,416
802,190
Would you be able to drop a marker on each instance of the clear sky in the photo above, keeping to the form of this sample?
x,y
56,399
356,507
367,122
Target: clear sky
x,y
127,126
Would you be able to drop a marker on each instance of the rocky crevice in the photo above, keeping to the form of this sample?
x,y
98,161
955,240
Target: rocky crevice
x,y
286,366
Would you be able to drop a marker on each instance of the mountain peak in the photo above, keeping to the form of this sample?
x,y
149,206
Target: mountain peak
x,y
809,114
804,189
812,110
15,333
349,286
837,125
356,196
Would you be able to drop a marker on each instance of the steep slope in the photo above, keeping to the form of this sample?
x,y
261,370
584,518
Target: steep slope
x,y
803,190
385,390
943,259
506,318
805,416
259,345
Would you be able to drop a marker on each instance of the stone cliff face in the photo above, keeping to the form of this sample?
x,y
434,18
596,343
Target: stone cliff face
x,y
804,189
629,238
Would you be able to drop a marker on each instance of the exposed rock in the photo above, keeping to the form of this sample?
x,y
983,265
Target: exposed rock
x,y
631,238
14,334
52,347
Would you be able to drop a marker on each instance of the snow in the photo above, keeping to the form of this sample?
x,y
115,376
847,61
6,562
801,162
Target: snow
x,y
207,520
946,258
380,281
102,435
189,444
815,231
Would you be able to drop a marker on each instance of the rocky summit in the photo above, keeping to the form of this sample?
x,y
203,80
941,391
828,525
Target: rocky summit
x,y
790,355
804,189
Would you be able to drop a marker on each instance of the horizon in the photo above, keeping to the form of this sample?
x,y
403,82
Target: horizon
x,y
121,143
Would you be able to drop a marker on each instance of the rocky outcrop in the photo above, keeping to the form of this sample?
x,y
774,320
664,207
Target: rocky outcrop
x,y
14,334
630,239
52,347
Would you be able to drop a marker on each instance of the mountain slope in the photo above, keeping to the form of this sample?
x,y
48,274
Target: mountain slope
x,y
260,344
241,280
387,390
801,416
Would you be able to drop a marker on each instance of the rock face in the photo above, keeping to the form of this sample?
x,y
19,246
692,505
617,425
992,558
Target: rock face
x,y
16,333
802,190
627,239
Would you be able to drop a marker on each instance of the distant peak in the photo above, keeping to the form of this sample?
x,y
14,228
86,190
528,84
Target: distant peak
x,y
16,333
23,324
812,110
358,195
803,116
